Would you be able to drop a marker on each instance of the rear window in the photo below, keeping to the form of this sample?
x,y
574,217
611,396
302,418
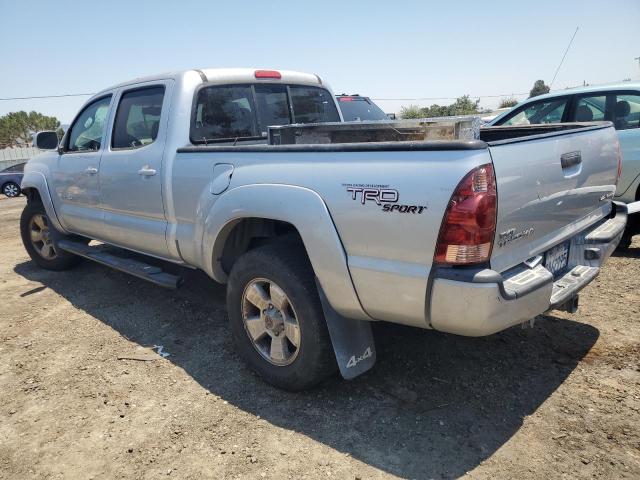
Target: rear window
x,y
360,109
244,112
313,105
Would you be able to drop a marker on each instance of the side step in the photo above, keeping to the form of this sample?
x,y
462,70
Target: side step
x,y
131,266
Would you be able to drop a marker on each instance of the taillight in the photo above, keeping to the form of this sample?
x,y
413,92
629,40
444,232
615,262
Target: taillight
x,y
619,153
346,99
267,74
469,225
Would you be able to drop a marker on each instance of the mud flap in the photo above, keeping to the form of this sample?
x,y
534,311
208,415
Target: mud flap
x,y
352,340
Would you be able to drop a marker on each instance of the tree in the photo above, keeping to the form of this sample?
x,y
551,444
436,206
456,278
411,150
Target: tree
x,y
539,88
508,102
17,128
412,111
462,106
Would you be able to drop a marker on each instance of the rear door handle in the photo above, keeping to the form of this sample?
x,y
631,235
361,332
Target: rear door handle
x,y
147,171
570,159
91,170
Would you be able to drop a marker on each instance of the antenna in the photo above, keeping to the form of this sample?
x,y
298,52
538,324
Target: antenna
x,y
563,57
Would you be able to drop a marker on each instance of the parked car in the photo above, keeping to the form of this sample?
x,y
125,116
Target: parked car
x,y
619,103
315,241
489,117
10,179
355,108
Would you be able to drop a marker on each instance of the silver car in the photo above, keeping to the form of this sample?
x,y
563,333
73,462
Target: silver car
x,y
618,103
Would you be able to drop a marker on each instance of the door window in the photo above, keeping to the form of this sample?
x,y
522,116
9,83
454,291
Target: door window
x,y
137,118
86,132
546,111
626,112
591,109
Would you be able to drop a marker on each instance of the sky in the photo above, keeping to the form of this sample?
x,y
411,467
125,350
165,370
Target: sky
x,y
385,50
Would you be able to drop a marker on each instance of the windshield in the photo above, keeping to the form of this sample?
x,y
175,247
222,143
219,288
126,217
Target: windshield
x,y
245,112
360,108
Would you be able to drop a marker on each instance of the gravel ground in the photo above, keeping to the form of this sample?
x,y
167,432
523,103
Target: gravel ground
x,y
84,395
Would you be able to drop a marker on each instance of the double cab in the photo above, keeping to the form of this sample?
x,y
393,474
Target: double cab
x,y
316,241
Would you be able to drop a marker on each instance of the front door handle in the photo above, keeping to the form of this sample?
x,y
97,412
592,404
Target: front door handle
x,y
147,171
91,170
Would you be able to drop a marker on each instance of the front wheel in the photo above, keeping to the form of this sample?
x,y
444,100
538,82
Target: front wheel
x,y
11,189
276,317
40,239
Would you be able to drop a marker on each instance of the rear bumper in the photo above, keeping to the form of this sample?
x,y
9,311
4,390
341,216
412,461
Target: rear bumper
x,y
482,302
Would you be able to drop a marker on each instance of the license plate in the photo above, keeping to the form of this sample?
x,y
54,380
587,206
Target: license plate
x,y
557,258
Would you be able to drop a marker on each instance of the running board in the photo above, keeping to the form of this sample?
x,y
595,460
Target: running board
x,y
131,266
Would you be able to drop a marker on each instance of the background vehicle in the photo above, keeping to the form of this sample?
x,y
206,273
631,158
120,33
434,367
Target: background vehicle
x,y
619,103
10,179
314,241
357,108
489,117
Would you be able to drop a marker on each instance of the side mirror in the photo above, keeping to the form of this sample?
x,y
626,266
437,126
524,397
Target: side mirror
x,y
47,140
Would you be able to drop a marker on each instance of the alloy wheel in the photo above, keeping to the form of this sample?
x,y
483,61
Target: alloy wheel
x,y
270,322
40,235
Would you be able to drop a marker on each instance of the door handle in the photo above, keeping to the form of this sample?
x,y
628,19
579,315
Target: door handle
x,y
147,171
570,159
91,170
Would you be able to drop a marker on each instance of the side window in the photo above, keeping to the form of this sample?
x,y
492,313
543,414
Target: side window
x,y
224,113
86,132
626,113
547,111
14,168
313,105
137,118
591,109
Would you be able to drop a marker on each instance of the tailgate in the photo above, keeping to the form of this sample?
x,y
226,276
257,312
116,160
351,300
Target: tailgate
x,y
550,187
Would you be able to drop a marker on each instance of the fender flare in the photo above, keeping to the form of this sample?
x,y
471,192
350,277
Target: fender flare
x,y
37,181
307,212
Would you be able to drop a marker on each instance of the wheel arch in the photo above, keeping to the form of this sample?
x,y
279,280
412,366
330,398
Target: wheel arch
x,y
273,212
34,186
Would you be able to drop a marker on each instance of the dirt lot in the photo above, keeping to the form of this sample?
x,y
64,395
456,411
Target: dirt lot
x,y
561,400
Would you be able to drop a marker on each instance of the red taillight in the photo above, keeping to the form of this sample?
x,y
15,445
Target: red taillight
x,y
469,225
267,74
346,99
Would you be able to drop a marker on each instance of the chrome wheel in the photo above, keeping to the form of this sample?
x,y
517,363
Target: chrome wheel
x,y
11,190
40,235
270,322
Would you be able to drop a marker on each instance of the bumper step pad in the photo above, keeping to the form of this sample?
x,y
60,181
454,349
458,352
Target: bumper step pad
x,y
566,286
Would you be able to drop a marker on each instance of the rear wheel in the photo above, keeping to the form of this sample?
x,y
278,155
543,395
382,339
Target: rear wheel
x,y
11,189
276,317
40,239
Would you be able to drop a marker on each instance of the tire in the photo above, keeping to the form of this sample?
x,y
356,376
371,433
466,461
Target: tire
x,y
39,235
11,189
280,268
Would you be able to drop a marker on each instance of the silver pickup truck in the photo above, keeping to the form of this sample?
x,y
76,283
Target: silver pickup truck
x,y
316,241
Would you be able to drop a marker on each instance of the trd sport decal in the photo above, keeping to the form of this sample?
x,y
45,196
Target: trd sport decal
x,y
381,195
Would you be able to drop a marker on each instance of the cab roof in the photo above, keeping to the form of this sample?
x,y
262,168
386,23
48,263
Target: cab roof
x,y
229,75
